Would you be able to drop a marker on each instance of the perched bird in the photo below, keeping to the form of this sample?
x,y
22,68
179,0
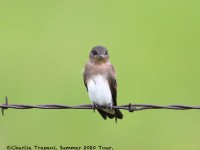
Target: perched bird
x,y
100,81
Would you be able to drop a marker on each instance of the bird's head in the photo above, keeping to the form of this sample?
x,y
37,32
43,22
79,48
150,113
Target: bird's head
x,y
99,54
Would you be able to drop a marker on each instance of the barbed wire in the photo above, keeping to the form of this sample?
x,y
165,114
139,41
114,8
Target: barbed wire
x,y
130,107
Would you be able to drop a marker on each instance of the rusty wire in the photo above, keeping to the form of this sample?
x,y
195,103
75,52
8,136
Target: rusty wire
x,y
130,107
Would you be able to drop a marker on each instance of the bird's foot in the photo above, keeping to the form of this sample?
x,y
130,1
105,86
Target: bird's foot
x,y
94,106
110,106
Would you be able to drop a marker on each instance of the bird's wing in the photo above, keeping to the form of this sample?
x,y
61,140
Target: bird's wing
x,y
113,88
113,85
85,83
85,77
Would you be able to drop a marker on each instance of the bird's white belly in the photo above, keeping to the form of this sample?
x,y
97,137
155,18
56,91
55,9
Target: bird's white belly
x,y
99,90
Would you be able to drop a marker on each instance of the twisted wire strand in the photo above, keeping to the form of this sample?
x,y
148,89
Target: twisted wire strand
x,y
130,107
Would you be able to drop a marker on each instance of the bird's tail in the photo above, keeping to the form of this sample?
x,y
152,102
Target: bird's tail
x,y
113,113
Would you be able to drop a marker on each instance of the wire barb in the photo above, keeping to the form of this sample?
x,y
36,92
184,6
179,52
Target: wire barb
x,y
6,104
131,108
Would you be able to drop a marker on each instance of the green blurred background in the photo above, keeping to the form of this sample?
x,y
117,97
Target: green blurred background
x,y
154,46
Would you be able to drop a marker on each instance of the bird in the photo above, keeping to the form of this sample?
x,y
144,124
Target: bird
x,y
100,82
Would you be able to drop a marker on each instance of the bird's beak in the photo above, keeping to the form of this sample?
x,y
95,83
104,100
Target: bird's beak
x,y
101,56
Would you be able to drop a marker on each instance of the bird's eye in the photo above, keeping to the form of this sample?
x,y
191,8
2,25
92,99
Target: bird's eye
x,y
106,53
94,52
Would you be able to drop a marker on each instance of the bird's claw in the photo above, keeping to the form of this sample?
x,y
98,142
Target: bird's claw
x,y
110,106
94,106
